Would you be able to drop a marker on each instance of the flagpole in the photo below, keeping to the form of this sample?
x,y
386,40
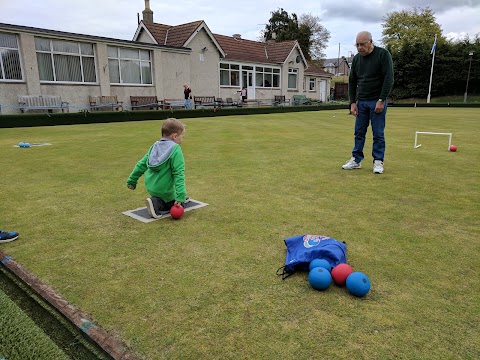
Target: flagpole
x,y
431,71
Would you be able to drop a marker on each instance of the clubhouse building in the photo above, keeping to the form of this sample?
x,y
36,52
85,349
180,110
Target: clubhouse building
x,y
158,61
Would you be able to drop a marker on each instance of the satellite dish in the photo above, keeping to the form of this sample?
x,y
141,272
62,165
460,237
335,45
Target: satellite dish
x,y
298,59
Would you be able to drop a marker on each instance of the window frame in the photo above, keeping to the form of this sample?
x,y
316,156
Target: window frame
x,y
119,58
268,73
229,72
291,72
80,55
312,81
20,63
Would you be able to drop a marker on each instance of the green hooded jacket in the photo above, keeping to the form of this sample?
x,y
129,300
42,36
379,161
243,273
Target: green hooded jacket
x,y
164,169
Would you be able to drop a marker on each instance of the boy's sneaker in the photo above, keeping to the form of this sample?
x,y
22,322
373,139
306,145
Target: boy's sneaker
x,y
378,167
7,236
156,207
352,164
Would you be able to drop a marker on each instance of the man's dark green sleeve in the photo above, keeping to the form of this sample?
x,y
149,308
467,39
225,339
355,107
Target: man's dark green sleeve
x,y
388,77
352,83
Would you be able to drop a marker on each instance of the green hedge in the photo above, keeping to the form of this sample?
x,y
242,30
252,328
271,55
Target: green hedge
x,y
435,105
29,120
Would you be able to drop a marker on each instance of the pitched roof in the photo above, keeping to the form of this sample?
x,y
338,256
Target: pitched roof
x,y
312,69
254,51
234,48
172,35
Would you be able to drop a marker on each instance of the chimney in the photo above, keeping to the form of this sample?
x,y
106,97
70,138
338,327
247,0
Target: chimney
x,y
237,36
147,13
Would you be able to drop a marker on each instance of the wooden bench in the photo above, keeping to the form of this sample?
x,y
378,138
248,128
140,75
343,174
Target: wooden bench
x,y
41,102
105,103
145,103
231,102
204,101
301,100
280,100
173,104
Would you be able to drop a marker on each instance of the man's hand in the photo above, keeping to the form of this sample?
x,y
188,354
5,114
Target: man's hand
x,y
379,106
131,187
353,109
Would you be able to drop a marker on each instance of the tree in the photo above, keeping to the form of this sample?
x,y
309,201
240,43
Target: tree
x,y
310,34
319,35
410,26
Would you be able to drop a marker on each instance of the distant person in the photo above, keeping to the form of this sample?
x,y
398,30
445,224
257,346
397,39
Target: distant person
x,y
243,94
369,84
187,92
7,236
164,169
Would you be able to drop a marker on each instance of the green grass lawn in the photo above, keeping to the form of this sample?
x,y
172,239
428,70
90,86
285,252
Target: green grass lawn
x,y
21,338
205,286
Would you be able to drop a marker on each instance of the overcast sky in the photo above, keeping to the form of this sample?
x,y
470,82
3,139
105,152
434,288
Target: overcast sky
x,y
343,19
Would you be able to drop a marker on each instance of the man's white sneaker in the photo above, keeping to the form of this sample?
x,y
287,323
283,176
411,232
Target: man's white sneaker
x,y
378,167
352,164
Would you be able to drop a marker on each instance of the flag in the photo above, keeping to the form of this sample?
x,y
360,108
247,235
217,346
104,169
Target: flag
x,y
434,46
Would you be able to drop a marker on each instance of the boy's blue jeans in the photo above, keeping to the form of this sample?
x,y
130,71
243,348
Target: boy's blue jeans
x,y
367,114
187,104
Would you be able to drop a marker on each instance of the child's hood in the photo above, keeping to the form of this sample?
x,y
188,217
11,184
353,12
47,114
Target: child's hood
x,y
160,152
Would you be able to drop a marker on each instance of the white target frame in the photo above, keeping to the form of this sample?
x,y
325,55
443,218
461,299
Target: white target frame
x,y
415,146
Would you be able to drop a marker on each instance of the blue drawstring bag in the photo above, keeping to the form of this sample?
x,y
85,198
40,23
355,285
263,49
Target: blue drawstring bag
x,y
304,248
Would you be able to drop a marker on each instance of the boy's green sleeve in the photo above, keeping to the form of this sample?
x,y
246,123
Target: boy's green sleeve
x,y
178,172
138,171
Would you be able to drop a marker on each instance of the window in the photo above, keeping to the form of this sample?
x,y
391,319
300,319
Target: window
x,y
229,74
292,78
10,67
311,84
267,77
65,61
129,66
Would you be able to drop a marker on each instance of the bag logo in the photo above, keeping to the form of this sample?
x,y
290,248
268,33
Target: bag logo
x,y
310,241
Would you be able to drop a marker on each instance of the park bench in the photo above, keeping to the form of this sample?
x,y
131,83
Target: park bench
x,y
145,103
173,104
230,102
280,100
201,101
105,103
41,102
301,100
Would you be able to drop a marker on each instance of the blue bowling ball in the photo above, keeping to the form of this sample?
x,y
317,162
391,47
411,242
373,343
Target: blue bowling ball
x,y
358,284
27,145
21,144
319,263
319,278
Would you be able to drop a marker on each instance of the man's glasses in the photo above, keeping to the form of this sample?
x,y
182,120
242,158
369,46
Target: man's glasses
x,y
362,44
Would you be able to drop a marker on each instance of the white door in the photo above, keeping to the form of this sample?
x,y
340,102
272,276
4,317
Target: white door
x,y
247,79
323,90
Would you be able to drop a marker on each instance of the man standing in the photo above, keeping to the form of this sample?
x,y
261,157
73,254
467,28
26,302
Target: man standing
x,y
187,92
369,83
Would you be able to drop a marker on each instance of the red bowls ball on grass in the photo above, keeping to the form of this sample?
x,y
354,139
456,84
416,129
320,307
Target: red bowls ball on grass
x,y
177,211
340,273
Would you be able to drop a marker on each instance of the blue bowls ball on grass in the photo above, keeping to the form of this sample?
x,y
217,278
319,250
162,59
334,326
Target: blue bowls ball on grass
x,y
27,145
358,284
320,263
21,144
319,278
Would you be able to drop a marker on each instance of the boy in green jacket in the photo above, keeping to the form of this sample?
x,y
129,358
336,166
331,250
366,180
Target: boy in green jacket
x,y
164,169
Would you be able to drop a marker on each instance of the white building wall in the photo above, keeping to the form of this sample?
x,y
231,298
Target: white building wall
x,y
204,77
174,70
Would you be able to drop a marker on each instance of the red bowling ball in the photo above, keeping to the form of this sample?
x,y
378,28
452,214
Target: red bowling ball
x,y
340,273
177,211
